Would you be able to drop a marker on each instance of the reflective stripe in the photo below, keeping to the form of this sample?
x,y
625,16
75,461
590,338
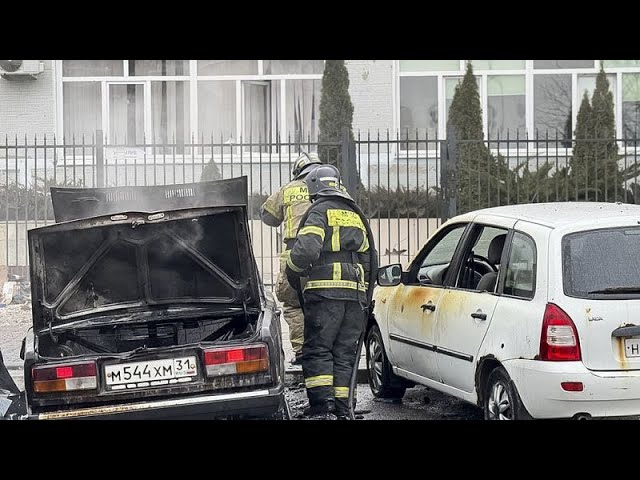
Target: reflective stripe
x,y
335,239
293,266
337,271
270,210
289,222
319,381
312,230
341,392
285,254
344,218
335,284
365,244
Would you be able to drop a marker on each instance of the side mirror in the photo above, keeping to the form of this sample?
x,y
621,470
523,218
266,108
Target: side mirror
x,y
390,275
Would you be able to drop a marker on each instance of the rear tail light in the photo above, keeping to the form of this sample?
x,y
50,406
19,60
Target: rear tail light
x,y
559,340
236,360
64,378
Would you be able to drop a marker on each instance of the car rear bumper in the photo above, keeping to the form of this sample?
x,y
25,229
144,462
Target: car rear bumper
x,y
256,403
605,394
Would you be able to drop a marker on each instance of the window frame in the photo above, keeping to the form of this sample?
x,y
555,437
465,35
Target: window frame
x,y
506,254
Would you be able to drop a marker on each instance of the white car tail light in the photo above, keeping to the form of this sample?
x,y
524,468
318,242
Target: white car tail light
x,y
559,340
236,360
64,378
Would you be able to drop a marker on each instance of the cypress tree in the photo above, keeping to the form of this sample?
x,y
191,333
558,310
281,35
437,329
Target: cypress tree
x,y
483,180
336,109
582,158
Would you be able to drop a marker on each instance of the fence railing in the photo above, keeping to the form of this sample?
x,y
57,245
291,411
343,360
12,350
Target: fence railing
x,y
406,184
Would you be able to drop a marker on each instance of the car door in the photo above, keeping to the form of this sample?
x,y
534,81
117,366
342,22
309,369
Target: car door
x,y
414,306
465,312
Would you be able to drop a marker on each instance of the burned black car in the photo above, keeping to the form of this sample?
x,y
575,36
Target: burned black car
x,y
150,315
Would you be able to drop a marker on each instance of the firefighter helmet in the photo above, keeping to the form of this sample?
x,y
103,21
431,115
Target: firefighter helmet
x,y
325,180
304,163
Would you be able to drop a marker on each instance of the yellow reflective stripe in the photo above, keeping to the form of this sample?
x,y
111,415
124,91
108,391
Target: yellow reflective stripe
x,y
335,239
344,218
269,209
289,222
335,284
285,254
312,230
337,271
365,244
293,266
341,392
319,381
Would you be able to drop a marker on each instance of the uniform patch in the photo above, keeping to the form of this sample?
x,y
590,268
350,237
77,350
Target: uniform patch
x,y
344,218
295,194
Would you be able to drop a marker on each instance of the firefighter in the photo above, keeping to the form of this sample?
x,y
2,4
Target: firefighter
x,y
288,205
333,255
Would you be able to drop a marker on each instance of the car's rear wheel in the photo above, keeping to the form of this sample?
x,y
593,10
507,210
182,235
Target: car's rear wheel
x,y
501,400
383,382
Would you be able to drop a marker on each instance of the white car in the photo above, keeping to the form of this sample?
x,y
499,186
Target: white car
x,y
528,311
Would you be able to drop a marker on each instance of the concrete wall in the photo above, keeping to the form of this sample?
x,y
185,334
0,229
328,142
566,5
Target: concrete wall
x,y
28,106
371,90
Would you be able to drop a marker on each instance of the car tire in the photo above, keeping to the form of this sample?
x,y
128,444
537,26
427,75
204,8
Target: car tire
x,y
501,399
382,381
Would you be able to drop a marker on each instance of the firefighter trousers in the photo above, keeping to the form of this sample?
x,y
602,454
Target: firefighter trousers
x,y
290,309
332,329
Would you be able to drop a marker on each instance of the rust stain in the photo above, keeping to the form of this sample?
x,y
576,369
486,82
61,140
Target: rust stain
x,y
402,308
622,359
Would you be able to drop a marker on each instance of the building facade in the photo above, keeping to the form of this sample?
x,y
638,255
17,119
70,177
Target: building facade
x,y
278,100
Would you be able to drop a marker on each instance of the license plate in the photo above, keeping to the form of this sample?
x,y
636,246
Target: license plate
x,y
151,373
632,347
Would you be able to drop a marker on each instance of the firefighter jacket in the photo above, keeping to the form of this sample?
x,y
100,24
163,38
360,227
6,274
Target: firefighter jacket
x,y
332,251
287,205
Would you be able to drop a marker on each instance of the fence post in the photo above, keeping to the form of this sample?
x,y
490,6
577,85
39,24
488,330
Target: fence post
x,y
348,163
99,158
448,172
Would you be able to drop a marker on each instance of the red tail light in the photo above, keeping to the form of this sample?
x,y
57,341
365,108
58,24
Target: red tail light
x,y
236,360
64,378
559,341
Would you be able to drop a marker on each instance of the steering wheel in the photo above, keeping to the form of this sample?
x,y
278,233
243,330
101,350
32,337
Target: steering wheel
x,y
484,261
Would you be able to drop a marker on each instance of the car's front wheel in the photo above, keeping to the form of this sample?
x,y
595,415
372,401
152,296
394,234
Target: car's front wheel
x,y
383,382
501,400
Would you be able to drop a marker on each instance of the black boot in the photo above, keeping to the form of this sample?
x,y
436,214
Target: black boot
x,y
324,409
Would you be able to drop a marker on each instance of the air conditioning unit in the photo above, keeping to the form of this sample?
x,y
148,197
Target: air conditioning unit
x,y
11,69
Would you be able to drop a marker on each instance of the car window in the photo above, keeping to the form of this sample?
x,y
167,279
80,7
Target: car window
x,y
520,277
434,266
481,258
602,263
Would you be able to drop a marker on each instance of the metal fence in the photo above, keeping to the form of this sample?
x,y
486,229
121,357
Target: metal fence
x,y
406,184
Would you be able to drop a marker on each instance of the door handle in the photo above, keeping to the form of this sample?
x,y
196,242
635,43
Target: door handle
x,y
479,315
428,306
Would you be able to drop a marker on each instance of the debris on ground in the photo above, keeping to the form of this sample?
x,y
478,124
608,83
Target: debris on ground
x,y
15,293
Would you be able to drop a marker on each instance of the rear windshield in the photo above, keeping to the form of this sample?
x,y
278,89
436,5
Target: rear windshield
x,y
602,263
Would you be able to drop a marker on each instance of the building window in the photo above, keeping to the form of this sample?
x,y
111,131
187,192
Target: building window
x,y
126,114
498,64
506,106
279,67
92,68
261,122
82,110
217,111
621,63
429,65
542,64
630,105
170,112
227,67
418,107
552,105
158,67
303,104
